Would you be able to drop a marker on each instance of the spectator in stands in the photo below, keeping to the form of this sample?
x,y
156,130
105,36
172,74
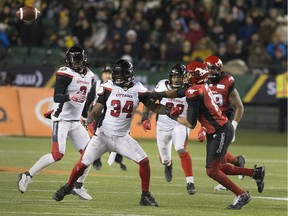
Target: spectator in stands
x,y
131,45
82,28
114,44
64,30
275,44
247,29
229,24
266,30
233,47
216,31
205,47
222,52
195,32
282,28
258,59
186,51
278,62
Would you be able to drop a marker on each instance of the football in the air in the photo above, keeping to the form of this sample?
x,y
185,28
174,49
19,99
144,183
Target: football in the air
x,y
27,13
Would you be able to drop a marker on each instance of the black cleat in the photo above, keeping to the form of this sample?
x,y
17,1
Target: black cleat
x,y
147,200
62,192
97,164
168,172
259,174
240,201
123,166
191,188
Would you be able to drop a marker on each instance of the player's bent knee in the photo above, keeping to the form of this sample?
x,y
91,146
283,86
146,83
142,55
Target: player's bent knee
x,y
144,161
211,172
57,156
181,151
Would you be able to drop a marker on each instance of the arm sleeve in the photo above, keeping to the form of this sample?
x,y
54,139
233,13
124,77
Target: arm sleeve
x,y
193,110
91,95
104,97
60,95
144,98
181,92
231,87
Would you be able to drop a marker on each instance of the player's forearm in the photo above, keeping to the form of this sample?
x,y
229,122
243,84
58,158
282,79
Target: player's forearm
x,y
185,122
61,98
239,110
158,108
94,112
145,113
236,103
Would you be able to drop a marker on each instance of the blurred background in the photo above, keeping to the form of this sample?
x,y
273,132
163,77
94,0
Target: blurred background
x,y
250,36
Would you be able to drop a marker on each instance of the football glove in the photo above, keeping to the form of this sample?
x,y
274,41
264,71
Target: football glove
x,y
154,96
77,97
235,124
48,114
146,125
172,112
202,134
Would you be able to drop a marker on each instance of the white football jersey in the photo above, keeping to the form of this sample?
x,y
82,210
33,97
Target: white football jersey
x,y
164,122
120,108
71,110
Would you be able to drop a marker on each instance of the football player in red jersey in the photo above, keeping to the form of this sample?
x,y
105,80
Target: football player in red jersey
x,y
220,132
119,98
73,83
228,100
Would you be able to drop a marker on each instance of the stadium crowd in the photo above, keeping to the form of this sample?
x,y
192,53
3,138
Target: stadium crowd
x,y
160,30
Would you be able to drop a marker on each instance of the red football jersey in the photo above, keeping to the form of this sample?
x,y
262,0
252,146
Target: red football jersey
x,y
221,90
210,115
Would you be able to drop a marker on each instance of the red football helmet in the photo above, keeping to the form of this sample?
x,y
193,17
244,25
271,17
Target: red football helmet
x,y
215,66
197,73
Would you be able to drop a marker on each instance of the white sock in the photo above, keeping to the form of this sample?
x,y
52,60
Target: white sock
x,y
43,162
82,178
190,179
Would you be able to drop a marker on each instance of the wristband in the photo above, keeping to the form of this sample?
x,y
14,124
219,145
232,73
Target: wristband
x,y
235,124
145,116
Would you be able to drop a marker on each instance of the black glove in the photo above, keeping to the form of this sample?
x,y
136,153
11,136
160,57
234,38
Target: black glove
x,y
172,112
154,96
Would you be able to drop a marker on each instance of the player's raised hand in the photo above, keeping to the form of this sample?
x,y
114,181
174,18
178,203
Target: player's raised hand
x,y
77,97
202,134
146,125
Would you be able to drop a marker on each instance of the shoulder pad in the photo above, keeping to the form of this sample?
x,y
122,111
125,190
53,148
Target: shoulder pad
x,y
194,91
65,71
140,88
162,85
107,85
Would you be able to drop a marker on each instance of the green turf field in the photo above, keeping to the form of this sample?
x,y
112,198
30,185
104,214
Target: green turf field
x,y
117,192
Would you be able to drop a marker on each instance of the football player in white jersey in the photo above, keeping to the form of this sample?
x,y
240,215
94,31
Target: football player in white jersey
x,y
119,98
73,82
91,100
171,132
